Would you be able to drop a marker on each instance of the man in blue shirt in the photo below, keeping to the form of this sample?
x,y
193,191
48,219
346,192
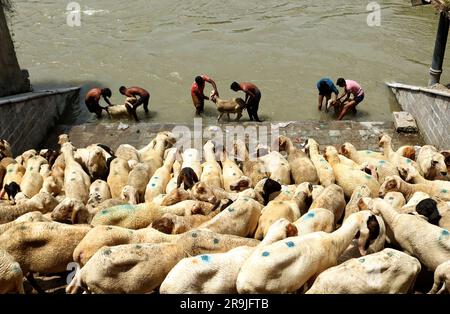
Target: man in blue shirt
x,y
327,90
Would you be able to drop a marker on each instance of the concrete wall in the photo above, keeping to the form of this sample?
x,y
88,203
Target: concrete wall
x,y
26,119
430,108
12,79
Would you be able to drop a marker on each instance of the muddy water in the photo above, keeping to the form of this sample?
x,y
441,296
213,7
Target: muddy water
x,y
282,46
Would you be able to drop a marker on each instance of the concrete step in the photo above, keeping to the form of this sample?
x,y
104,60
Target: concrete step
x,y
364,135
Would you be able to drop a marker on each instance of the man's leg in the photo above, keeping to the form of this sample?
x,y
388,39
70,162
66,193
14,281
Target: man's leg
x,y
255,107
348,106
132,112
146,100
250,110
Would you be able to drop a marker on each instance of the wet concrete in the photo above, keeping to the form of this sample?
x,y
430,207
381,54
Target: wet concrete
x,y
364,135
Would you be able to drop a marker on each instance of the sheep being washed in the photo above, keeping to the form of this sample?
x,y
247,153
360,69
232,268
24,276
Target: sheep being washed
x,y
235,105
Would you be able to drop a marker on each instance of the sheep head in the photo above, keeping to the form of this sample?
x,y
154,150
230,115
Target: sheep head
x,y
438,162
213,96
242,184
164,225
281,229
372,234
331,155
203,192
391,184
67,211
384,139
63,138
347,149
130,194
176,196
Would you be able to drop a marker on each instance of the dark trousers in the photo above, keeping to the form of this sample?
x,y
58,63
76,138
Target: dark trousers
x,y
253,107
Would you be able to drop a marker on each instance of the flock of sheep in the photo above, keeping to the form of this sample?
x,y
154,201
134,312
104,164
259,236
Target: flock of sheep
x,y
157,219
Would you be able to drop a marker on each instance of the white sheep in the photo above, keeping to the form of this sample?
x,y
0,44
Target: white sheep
x,y
147,264
397,184
431,162
217,273
427,242
441,279
285,266
385,272
302,168
290,210
324,170
317,219
349,178
11,276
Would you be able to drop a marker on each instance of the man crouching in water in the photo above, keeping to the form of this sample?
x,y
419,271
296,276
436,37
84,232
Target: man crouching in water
x,y
197,92
92,100
144,98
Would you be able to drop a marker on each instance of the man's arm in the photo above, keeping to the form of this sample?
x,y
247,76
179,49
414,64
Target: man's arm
x,y
210,81
320,101
200,95
249,93
345,94
107,100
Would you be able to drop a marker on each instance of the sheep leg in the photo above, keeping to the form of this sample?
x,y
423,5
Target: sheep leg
x,y
228,117
220,117
34,284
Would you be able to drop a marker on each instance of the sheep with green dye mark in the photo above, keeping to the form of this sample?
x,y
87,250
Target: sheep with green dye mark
x,y
142,215
147,264
386,272
286,266
290,210
217,273
240,218
315,220
158,182
42,202
42,247
441,279
11,276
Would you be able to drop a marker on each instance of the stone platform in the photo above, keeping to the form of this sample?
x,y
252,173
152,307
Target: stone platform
x,y
364,135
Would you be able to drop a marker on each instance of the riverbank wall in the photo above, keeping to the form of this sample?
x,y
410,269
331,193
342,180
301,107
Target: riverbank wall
x,y
430,108
26,119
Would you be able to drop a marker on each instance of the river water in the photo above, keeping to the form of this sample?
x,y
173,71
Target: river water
x,y
282,46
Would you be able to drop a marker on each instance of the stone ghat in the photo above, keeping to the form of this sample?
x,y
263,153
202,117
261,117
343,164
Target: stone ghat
x,y
364,135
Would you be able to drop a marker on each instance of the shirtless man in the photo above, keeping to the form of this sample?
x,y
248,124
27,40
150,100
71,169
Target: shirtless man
x,y
144,98
351,88
252,98
198,96
92,100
